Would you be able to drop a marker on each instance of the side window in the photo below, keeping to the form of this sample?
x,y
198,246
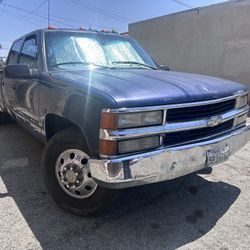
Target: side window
x,y
28,53
15,49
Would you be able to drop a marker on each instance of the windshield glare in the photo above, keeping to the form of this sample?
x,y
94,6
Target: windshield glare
x,y
72,50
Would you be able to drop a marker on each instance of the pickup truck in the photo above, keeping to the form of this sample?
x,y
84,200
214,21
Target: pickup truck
x,y
111,118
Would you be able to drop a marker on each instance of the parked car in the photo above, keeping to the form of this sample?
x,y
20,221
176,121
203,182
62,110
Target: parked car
x,y
112,119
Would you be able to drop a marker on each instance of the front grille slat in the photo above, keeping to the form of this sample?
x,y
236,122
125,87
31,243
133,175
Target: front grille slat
x,y
209,107
199,112
205,110
186,136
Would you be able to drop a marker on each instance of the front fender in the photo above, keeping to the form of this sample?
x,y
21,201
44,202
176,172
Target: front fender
x,y
77,104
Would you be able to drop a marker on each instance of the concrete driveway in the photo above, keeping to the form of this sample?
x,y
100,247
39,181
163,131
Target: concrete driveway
x,y
206,211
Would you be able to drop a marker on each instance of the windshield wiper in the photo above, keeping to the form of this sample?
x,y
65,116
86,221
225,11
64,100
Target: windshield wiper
x,y
67,63
83,63
134,63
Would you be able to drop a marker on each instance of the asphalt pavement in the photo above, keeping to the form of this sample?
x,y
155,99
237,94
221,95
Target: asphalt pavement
x,y
200,211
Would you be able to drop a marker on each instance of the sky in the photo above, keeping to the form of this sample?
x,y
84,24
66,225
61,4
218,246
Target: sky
x,y
18,17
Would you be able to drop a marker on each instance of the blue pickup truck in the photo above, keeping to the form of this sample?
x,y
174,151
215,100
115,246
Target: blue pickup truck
x,y
111,118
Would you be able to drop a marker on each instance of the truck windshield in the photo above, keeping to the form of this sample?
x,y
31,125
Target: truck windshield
x,y
73,51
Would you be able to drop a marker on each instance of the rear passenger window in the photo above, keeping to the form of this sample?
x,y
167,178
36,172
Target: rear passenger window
x,y
15,49
29,53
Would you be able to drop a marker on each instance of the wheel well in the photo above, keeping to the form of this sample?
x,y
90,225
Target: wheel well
x,y
55,123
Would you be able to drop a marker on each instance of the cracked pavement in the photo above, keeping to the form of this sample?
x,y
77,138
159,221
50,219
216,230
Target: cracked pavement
x,y
199,211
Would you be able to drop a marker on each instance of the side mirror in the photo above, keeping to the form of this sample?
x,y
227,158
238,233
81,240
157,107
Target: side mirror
x,y
18,71
163,67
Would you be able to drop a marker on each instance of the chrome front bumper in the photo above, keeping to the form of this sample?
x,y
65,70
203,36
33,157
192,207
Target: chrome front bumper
x,y
164,164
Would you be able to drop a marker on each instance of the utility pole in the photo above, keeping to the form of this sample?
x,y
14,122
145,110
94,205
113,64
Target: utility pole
x,y
48,13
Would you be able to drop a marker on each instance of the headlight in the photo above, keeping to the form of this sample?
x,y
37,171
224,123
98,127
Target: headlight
x,y
131,120
109,147
240,119
140,119
138,144
242,101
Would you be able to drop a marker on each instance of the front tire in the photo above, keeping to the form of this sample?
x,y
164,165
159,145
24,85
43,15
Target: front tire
x,y
67,176
5,118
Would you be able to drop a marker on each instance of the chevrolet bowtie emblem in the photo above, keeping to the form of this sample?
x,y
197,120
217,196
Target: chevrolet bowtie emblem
x,y
214,121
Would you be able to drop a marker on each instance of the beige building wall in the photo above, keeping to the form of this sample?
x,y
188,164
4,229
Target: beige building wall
x,y
213,40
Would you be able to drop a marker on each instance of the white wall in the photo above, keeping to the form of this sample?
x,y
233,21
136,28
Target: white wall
x,y
213,40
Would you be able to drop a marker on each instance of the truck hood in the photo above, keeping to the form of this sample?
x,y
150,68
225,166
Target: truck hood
x,y
142,87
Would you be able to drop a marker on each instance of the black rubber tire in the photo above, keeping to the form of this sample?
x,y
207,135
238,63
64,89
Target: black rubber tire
x,y
98,202
205,171
5,118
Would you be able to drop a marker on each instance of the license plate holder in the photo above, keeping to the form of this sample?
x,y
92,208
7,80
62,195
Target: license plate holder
x,y
217,155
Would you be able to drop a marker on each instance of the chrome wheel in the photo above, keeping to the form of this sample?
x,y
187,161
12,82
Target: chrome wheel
x,y
73,174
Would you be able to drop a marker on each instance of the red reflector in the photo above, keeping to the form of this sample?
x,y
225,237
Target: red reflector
x,y
50,27
125,34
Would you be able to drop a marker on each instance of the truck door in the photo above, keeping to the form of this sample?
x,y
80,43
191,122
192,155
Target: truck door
x,y
27,90
8,84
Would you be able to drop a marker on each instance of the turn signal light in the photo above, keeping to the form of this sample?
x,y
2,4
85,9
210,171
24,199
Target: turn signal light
x,y
108,147
109,120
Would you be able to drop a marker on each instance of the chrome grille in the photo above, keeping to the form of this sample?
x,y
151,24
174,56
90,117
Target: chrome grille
x,y
199,112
